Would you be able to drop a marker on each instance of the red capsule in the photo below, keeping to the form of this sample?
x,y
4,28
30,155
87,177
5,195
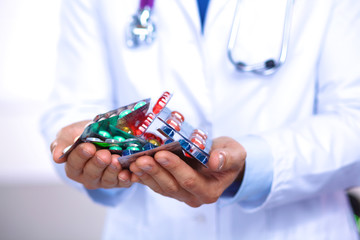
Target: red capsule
x,y
166,95
151,136
150,116
199,143
177,115
160,104
174,123
201,133
141,129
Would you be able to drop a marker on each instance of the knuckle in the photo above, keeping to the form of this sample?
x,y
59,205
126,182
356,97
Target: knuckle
x,y
90,186
106,182
91,175
125,185
189,183
171,188
70,173
212,197
158,190
193,203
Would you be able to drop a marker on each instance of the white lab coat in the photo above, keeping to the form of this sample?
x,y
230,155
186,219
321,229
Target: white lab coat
x,y
308,112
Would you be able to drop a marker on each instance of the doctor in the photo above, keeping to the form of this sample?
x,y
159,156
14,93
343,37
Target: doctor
x,y
292,135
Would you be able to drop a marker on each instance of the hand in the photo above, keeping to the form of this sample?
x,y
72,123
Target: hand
x,y
170,176
92,168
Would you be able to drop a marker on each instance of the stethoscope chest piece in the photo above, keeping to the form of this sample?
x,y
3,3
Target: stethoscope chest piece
x,y
141,30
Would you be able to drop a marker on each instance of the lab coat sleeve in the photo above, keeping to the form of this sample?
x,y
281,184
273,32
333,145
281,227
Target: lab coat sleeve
x,y
321,154
83,81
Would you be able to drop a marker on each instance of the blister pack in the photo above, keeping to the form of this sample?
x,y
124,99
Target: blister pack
x,y
140,129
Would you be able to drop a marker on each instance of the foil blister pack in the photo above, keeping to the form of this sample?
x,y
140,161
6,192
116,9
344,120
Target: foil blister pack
x,y
140,129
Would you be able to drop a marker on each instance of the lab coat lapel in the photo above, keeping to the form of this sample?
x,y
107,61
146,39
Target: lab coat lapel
x,y
190,8
214,8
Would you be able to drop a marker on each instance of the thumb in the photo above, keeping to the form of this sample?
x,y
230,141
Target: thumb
x,y
219,160
57,150
226,158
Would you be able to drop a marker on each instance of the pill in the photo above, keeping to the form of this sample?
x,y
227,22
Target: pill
x,y
139,105
124,113
178,116
104,133
115,148
174,123
119,138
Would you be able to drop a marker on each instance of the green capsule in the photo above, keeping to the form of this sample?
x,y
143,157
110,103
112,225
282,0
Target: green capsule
x,y
119,138
124,113
139,105
104,134
115,148
133,148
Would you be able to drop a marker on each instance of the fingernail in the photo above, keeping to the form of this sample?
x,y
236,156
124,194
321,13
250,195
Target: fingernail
x,y
123,180
52,147
101,162
86,154
146,168
113,166
222,157
163,161
139,173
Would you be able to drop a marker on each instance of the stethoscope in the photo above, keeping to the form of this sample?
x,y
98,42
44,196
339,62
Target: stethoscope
x,y
142,31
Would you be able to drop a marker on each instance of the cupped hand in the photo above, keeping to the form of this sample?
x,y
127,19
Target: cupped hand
x,y
85,164
169,175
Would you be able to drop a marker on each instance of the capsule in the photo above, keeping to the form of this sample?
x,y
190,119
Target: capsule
x,y
151,136
185,144
124,113
139,105
127,130
178,116
104,133
200,133
198,142
169,140
133,148
128,152
168,131
119,138
174,123
148,146
155,142
160,104
117,148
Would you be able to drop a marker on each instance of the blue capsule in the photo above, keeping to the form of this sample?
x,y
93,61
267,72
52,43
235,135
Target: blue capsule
x,y
169,140
201,157
148,146
168,131
185,145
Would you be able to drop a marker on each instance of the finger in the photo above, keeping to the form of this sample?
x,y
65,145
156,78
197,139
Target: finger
x,y
186,176
57,148
226,154
109,178
218,160
160,177
95,167
80,156
124,177
144,177
65,138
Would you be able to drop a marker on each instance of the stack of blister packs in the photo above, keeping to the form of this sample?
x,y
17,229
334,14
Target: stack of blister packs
x,y
136,130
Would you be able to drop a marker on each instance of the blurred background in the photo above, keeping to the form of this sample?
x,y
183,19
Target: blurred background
x,y
34,202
